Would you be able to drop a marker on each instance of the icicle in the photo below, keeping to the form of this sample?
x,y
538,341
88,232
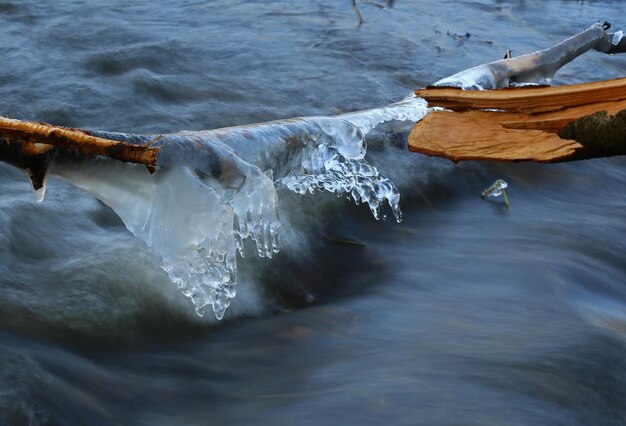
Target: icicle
x,y
38,177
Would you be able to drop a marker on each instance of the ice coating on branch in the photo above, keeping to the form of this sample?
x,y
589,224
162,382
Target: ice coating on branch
x,y
477,78
534,68
320,153
186,222
224,200
330,165
216,188
410,108
326,169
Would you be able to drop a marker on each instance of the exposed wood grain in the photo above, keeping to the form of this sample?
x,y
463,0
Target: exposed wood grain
x,y
529,99
532,124
481,135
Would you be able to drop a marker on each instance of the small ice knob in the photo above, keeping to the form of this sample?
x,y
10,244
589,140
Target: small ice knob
x,y
497,189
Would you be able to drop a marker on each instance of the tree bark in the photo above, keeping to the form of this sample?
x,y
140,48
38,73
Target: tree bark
x,y
32,145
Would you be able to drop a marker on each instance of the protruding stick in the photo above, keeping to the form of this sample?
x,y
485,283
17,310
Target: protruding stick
x,y
533,67
38,139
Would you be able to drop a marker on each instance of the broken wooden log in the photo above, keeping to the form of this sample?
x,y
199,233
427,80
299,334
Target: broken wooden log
x,y
543,124
502,136
527,123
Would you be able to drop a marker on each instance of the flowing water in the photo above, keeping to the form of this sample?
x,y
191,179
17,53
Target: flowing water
x,y
466,312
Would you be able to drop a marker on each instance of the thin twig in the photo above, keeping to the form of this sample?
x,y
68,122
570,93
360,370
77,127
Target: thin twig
x,y
358,13
380,6
150,142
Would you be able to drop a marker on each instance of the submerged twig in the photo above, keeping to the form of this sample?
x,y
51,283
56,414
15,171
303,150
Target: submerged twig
x,y
156,139
380,6
358,13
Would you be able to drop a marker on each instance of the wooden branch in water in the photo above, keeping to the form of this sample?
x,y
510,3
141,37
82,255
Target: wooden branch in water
x,y
544,124
525,124
533,67
30,145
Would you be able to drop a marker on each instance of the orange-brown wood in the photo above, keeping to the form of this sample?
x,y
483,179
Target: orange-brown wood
x,y
526,127
481,135
529,99
36,138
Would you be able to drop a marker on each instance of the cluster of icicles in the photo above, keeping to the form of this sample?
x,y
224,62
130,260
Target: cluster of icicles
x,y
214,189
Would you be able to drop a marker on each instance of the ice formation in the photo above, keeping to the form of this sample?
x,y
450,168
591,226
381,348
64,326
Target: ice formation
x,y
496,189
335,162
534,68
216,188
617,38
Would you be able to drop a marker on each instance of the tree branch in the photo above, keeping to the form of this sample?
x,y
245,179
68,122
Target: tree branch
x,y
535,67
31,145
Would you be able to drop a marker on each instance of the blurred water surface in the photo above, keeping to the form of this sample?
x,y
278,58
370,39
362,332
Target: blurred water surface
x,y
465,313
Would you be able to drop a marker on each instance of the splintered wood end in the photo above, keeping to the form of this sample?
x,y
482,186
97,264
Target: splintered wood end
x,y
545,124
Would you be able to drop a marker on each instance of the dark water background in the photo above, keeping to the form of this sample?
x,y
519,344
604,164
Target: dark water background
x,y
466,313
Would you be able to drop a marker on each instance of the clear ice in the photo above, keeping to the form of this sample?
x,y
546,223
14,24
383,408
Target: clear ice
x,y
534,68
495,190
216,188
336,163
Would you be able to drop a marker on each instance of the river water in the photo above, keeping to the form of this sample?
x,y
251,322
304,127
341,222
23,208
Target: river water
x,y
465,313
